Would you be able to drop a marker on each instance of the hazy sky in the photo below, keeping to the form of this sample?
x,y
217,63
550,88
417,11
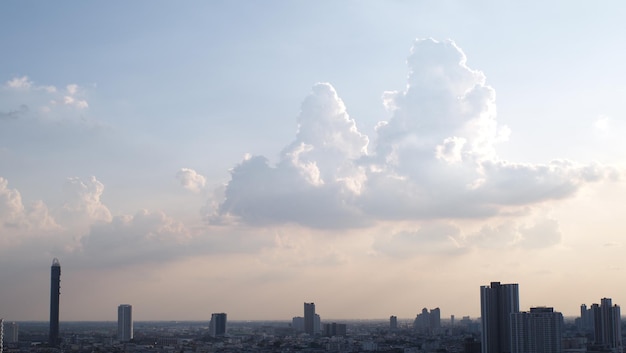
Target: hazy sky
x,y
373,157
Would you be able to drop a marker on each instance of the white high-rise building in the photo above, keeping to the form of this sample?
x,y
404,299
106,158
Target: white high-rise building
x,y
125,322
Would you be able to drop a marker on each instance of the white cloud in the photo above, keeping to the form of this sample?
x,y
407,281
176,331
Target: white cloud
x,y
19,83
82,200
51,102
317,172
17,220
191,180
435,158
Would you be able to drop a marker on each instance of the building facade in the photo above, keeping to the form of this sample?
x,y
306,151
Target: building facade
x,y
11,332
55,293
497,303
538,331
125,322
309,318
217,326
607,329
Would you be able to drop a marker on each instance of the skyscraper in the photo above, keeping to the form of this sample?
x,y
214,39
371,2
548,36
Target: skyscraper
x,y
217,326
1,334
607,325
497,303
55,292
537,331
309,318
125,322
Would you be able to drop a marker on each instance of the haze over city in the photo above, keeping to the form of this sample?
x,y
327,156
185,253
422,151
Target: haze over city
x,y
375,158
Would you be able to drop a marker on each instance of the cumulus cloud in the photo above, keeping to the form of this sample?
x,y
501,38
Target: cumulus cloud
x,y
82,200
16,219
317,179
191,180
435,158
49,101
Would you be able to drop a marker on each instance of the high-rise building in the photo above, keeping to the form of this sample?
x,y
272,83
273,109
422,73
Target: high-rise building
x,y
393,322
435,319
309,318
125,322
11,332
607,329
297,323
217,326
55,292
1,335
537,331
497,303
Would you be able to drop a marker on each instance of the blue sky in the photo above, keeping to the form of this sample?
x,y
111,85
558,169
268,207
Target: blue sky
x,y
150,138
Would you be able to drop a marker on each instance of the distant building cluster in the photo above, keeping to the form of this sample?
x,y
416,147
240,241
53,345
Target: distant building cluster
x,y
428,321
541,329
502,328
605,322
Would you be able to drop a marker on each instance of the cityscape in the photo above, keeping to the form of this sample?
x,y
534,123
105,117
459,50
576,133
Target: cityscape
x,y
402,176
501,328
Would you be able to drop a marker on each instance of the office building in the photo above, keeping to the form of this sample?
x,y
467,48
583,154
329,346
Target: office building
x,y
497,303
125,322
393,322
55,292
309,318
217,326
538,331
1,335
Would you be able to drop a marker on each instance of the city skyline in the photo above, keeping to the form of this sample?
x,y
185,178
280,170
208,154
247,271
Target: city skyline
x,y
343,153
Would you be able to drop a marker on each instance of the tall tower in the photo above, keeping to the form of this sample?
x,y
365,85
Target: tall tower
x,y
497,303
309,318
217,326
125,322
55,292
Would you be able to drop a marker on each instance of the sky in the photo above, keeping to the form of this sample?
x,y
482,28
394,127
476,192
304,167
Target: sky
x,y
373,157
